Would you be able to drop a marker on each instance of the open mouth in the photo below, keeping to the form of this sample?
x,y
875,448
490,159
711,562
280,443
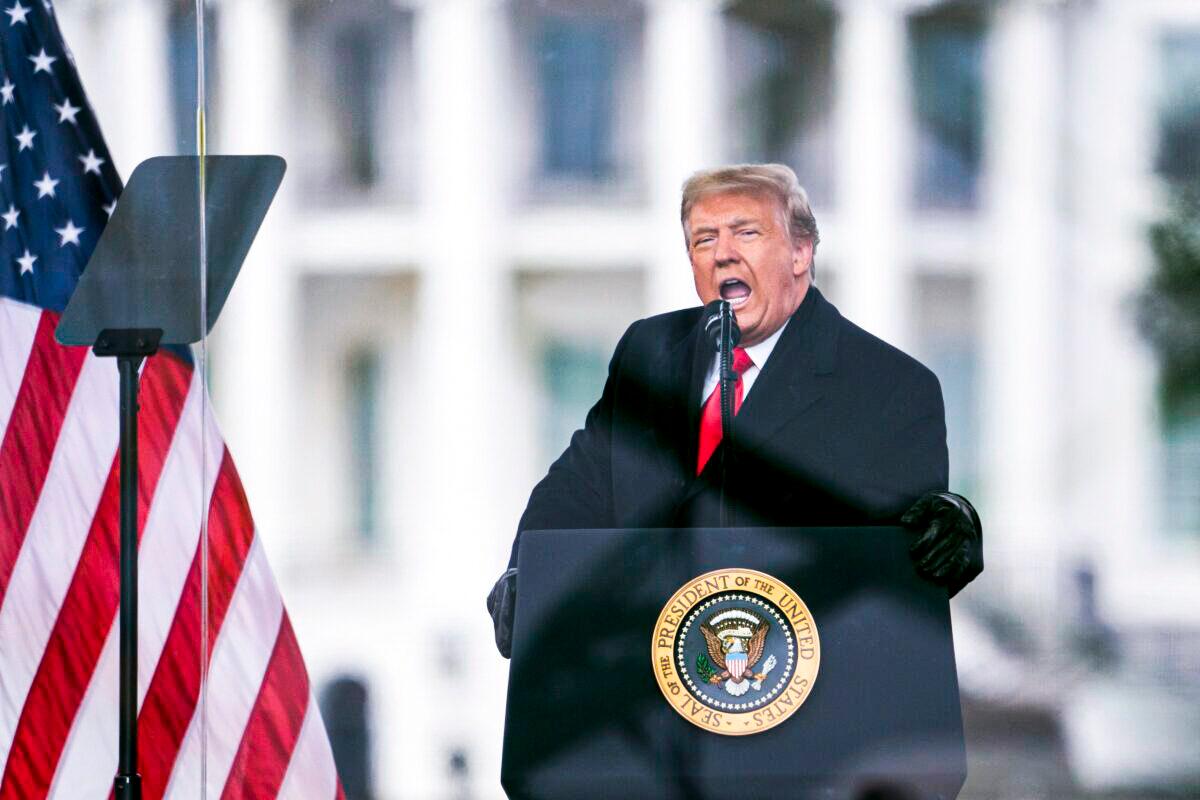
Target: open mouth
x,y
735,291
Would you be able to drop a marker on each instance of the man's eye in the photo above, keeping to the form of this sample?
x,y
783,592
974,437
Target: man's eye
x,y
748,233
702,240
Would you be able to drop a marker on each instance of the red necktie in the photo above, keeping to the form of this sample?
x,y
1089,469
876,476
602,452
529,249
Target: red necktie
x,y
710,418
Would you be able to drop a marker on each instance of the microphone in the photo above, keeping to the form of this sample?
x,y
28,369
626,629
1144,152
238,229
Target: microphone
x,y
714,312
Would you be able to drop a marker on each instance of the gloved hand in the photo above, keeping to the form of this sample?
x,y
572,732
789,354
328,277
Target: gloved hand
x,y
948,549
501,604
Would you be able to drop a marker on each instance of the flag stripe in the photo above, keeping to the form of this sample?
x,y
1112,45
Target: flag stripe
x,y
89,758
270,736
239,662
56,533
90,605
31,437
18,326
311,773
169,544
171,699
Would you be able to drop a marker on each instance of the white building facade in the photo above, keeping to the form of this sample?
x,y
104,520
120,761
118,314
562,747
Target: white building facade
x,y
483,194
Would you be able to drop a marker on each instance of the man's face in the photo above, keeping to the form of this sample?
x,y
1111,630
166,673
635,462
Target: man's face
x,y
741,251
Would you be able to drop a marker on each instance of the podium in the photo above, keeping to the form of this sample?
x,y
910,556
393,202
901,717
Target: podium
x,y
590,709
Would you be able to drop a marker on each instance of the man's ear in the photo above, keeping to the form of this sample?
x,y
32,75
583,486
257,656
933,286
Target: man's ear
x,y
802,255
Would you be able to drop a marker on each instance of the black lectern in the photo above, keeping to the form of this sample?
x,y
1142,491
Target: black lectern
x,y
142,288
591,711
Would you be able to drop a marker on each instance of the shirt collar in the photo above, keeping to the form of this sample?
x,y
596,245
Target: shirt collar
x,y
759,353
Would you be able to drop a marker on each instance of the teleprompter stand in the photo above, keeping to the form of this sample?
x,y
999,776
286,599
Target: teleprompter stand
x,y
141,289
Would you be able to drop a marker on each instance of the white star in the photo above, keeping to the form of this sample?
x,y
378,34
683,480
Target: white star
x,y
110,208
42,62
17,13
10,217
48,6
91,162
68,234
6,91
2,168
45,186
66,112
25,138
26,262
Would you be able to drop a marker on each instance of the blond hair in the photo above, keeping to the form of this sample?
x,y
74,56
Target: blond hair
x,y
773,180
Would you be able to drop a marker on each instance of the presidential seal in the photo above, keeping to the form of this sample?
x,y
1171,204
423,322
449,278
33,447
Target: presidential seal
x,y
735,652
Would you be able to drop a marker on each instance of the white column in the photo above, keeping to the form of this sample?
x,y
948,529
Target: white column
x,y
1021,285
254,341
685,105
1116,439
460,542
872,124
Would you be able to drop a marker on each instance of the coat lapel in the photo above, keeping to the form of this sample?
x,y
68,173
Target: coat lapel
x,y
791,382
683,369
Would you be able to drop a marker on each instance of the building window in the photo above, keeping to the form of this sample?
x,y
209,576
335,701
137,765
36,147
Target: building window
x,y
780,92
353,64
568,329
946,52
358,57
363,392
182,67
576,98
576,71
1181,474
948,343
1178,156
573,375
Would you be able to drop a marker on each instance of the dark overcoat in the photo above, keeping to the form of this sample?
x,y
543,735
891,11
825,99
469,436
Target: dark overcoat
x,y
839,428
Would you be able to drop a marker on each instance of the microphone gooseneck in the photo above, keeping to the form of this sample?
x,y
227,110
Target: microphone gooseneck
x,y
722,328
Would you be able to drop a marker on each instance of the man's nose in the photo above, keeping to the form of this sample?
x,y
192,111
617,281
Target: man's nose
x,y
726,252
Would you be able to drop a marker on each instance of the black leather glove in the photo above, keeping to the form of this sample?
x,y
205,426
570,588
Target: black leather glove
x,y
948,549
501,604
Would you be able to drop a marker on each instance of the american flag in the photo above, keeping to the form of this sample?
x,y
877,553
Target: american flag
x,y
59,502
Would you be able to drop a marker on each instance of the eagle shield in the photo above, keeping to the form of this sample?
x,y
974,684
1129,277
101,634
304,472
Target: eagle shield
x,y
735,640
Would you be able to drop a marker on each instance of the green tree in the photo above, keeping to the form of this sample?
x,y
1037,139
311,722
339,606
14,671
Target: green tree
x,y
1169,307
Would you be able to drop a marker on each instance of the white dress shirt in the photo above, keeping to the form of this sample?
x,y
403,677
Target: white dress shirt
x,y
759,353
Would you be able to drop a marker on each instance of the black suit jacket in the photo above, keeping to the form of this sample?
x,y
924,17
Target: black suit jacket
x,y
840,428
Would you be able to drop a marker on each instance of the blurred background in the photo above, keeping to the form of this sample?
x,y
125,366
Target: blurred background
x,y
483,194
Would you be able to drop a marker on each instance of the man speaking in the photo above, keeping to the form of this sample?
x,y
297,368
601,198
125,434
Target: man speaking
x,y
832,425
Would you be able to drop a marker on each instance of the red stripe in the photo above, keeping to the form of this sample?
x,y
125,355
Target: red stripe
x,y
274,725
33,428
175,688
90,605
341,794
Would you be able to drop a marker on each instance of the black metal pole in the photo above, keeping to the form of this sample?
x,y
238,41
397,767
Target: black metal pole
x,y
128,784
727,379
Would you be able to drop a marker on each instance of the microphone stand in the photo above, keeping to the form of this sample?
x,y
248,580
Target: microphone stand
x,y
728,382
